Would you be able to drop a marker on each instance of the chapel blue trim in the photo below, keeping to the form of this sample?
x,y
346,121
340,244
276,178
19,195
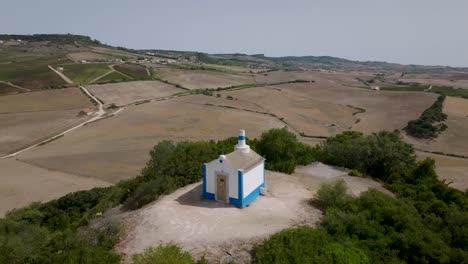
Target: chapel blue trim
x,y
234,201
208,196
241,137
240,186
251,197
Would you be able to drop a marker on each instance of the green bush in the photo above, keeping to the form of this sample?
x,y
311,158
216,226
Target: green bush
x,y
150,191
378,154
283,151
165,254
306,245
355,173
332,194
423,126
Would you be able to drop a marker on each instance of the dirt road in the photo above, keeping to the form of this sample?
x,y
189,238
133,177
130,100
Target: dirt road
x,y
65,78
101,112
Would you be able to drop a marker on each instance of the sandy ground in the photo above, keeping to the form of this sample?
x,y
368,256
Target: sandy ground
x,y
129,92
117,148
202,79
20,130
222,232
47,100
451,169
22,184
454,140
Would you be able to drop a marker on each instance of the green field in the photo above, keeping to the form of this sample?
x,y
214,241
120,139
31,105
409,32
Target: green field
x,y
85,73
447,91
32,74
113,77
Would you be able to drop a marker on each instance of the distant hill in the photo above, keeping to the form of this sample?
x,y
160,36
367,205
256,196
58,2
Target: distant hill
x,y
55,38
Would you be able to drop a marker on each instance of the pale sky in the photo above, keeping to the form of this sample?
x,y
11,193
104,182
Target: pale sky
x,y
431,32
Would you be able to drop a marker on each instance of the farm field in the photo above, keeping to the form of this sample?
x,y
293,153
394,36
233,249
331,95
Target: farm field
x,y
7,89
23,184
33,73
117,148
326,77
451,169
113,77
20,130
330,103
47,100
85,73
130,92
87,56
134,71
198,79
304,115
435,89
456,80
454,140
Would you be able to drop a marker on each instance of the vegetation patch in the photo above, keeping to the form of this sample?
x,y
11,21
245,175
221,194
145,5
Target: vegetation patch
x,y
136,71
165,254
86,72
442,90
113,77
31,74
424,127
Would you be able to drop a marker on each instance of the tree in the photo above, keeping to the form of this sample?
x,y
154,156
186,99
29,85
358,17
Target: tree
x,y
279,147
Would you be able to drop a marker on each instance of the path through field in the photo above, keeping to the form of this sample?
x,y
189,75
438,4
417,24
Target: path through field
x,y
99,115
65,78
16,86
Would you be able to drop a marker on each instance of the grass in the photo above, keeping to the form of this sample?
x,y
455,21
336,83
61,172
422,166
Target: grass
x,y
113,77
85,73
443,90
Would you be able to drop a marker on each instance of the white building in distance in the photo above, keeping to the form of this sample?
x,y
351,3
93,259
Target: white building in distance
x,y
236,178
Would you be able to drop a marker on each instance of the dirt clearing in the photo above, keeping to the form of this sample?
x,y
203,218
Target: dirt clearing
x,y
222,232
23,184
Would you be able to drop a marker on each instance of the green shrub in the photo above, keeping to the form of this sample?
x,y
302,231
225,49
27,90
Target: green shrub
x,y
423,126
164,254
332,194
355,173
150,191
306,245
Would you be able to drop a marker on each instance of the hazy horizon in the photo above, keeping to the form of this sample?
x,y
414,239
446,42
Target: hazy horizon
x,y
417,32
